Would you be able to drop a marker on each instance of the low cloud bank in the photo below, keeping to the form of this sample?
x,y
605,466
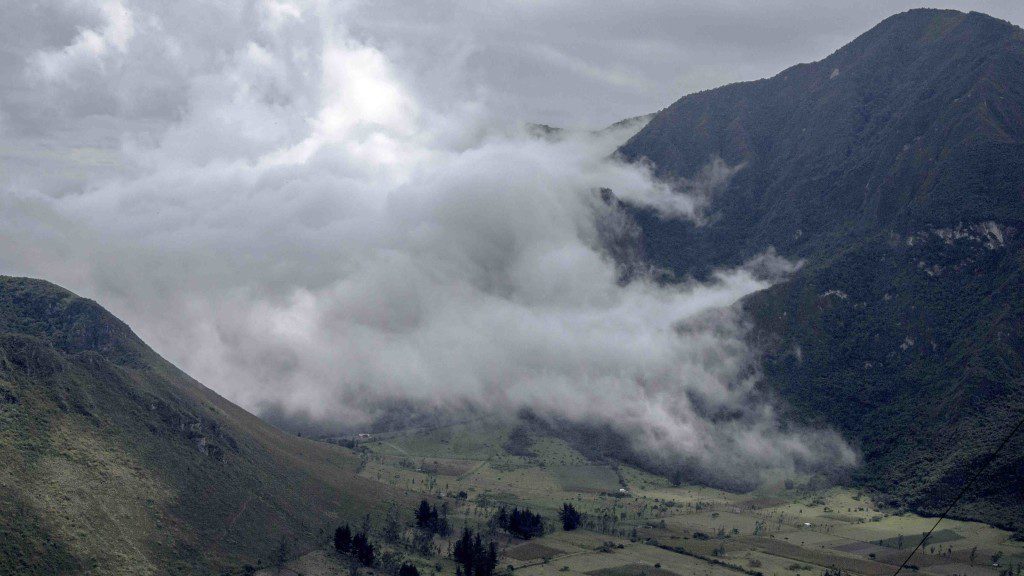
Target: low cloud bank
x,y
282,217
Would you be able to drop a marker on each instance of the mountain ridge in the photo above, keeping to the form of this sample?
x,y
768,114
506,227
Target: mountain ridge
x,y
121,463
895,169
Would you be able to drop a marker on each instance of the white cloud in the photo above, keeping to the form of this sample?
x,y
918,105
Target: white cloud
x,y
91,47
296,226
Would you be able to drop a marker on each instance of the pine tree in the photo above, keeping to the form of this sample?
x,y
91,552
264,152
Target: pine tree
x,y
423,514
569,516
343,539
525,524
479,557
463,552
363,550
491,561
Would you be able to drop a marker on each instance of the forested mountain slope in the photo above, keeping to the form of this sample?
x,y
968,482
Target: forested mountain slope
x,y
895,169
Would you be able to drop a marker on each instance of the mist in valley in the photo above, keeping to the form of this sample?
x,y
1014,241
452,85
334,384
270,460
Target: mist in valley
x,y
300,228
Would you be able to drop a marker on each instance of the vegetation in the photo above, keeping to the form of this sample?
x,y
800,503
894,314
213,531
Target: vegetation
x,y
893,168
473,557
116,462
428,519
363,550
897,179
570,517
521,523
343,539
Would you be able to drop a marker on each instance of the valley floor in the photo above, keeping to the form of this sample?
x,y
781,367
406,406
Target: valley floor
x,y
638,524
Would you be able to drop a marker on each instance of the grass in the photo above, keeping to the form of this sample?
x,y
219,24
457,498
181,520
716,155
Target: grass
x,y
104,474
586,478
689,529
533,551
632,570
118,463
910,541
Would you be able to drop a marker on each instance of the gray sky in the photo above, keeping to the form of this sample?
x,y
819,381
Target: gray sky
x,y
592,62
324,207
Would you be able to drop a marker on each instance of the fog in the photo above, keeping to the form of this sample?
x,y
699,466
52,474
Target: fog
x,y
273,204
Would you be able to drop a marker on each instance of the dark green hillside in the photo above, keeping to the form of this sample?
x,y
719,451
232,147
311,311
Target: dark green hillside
x,y
117,462
895,168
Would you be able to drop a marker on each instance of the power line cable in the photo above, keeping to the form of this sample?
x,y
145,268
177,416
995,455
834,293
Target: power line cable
x,y
963,491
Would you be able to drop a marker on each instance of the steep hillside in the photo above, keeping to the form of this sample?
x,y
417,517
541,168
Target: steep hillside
x,y
117,462
895,168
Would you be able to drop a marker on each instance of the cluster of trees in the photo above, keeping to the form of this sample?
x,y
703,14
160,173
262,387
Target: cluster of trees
x,y
473,557
522,523
428,519
358,546
570,517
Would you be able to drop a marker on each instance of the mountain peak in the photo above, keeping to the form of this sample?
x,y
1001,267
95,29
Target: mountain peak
x,y
924,28
895,169
871,137
64,320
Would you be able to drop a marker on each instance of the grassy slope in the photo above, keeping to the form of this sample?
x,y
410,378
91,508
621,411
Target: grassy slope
x,y
119,463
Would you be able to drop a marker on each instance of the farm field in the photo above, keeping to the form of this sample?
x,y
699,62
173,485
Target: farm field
x,y
639,524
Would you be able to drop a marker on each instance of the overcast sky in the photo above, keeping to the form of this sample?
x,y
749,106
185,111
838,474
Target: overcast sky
x,y
571,63
322,207
593,62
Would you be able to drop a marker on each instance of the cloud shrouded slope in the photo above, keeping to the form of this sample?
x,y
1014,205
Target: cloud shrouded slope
x,y
268,202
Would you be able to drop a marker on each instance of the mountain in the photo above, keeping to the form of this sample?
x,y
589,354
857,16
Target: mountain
x,y
894,168
117,462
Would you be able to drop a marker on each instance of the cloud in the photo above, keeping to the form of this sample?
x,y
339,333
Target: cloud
x,y
616,77
91,46
299,229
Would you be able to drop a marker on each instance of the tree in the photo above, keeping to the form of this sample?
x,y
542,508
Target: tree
x,y
423,514
479,557
490,561
281,556
463,552
343,539
362,549
473,557
569,516
408,570
441,526
523,523
428,519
